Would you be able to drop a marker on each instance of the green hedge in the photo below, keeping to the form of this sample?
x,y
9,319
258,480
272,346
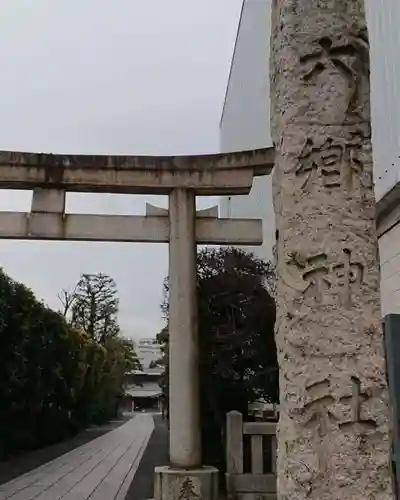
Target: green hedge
x,y
54,380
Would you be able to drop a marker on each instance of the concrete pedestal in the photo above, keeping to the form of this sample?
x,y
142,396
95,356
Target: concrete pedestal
x,y
176,484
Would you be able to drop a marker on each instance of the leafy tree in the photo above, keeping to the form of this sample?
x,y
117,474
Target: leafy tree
x,y
95,307
38,362
121,358
130,356
238,363
55,378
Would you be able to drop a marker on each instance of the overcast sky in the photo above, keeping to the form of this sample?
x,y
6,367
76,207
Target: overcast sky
x,y
109,77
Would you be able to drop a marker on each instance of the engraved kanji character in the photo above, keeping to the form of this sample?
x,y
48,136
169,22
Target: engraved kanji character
x,y
321,415
316,275
325,160
319,411
349,58
356,401
336,161
348,273
187,491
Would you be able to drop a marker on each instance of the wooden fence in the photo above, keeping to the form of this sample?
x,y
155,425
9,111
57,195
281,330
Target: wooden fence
x,y
251,459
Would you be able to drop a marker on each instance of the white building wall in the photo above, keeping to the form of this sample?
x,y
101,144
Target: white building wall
x,y
383,23
245,121
389,245
245,118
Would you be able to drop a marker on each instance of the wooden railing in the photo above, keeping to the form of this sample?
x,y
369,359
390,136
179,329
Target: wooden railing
x,y
251,459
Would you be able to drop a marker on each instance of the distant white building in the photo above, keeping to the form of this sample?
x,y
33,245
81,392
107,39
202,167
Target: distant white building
x,y
148,350
142,387
246,115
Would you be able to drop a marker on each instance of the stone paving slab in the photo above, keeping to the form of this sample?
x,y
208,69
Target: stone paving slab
x,y
20,464
100,470
156,454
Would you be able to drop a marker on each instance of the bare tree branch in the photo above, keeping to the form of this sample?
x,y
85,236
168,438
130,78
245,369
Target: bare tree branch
x,y
67,298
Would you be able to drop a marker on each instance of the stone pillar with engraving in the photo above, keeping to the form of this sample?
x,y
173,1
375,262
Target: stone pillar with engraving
x,y
334,432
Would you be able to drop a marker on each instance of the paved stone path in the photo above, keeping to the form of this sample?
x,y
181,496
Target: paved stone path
x,y
142,486
21,463
102,469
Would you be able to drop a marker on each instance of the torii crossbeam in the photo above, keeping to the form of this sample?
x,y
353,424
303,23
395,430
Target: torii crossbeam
x,y
182,178
47,220
207,175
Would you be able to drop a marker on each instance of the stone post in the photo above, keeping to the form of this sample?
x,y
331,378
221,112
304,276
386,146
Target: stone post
x,y
185,444
186,477
334,430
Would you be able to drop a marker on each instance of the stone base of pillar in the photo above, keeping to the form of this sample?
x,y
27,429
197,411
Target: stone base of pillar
x,y
172,484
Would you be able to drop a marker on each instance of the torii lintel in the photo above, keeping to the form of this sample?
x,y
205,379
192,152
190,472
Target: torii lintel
x,y
208,175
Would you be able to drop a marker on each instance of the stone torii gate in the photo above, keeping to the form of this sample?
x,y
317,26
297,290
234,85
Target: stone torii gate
x,y
182,178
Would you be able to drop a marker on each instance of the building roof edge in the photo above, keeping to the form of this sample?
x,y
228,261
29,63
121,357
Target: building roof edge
x,y
387,210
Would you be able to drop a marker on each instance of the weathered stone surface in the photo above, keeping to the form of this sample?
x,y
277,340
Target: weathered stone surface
x,y
334,432
184,387
178,484
124,228
208,175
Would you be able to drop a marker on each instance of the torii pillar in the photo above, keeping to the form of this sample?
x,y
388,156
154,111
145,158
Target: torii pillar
x,y
185,445
184,411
